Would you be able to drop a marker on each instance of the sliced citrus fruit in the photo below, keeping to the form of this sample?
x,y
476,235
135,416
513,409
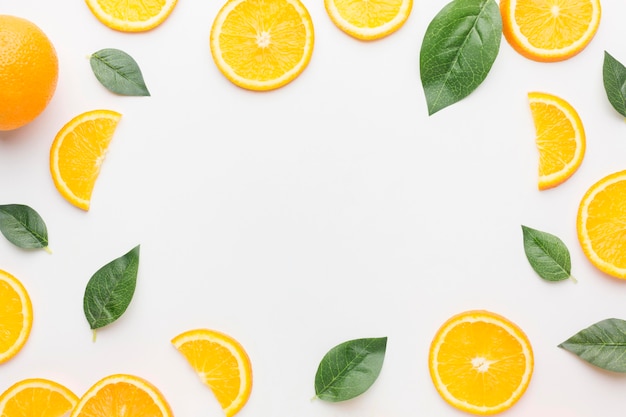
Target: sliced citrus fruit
x,y
222,364
560,138
37,397
77,153
600,224
549,30
122,395
131,15
368,19
16,316
480,362
262,46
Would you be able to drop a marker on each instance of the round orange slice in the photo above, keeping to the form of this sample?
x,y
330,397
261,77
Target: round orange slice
x,y
480,362
37,397
77,153
16,316
131,15
122,395
560,138
258,46
368,19
600,224
549,30
222,364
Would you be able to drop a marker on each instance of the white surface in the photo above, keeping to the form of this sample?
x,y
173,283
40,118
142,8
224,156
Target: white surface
x,y
331,209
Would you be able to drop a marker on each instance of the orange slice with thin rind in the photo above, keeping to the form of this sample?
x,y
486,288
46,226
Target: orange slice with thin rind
x,y
37,397
480,362
368,19
221,363
131,15
16,316
77,154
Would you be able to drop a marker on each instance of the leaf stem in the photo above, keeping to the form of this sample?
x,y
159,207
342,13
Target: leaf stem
x,y
573,279
47,249
93,337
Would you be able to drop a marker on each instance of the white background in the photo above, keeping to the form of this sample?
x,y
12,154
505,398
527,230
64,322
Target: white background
x,y
331,209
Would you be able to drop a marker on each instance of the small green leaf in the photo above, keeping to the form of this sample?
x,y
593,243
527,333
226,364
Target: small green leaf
x,y
602,344
118,72
110,290
614,77
349,369
23,226
460,46
547,254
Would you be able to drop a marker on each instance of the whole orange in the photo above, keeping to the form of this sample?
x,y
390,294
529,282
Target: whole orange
x,y
29,70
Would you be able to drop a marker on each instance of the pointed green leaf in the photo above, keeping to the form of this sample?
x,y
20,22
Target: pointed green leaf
x,y
23,226
614,77
547,254
349,369
460,46
110,290
602,344
118,72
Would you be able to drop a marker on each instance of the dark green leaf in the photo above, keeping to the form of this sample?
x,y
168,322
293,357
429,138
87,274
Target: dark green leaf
x,y
460,46
547,254
23,226
602,344
614,77
110,290
118,72
349,369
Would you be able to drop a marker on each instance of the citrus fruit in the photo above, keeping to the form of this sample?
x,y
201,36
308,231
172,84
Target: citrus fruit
x,y
222,364
77,153
560,138
600,224
16,316
122,395
259,45
368,19
131,15
29,70
480,362
549,30
37,397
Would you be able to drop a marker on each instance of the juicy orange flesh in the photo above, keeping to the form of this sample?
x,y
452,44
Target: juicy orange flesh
x,y
553,24
132,10
217,366
556,137
606,224
481,363
120,399
38,402
83,151
368,14
11,317
263,40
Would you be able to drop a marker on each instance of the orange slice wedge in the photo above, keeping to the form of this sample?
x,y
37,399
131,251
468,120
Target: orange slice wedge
x,y
16,316
480,362
37,397
262,46
600,224
122,395
77,153
222,364
131,15
368,19
549,30
560,138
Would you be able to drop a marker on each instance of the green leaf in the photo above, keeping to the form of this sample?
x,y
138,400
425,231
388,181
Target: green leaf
x,y
23,226
349,369
614,77
460,46
547,254
602,344
110,290
118,72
